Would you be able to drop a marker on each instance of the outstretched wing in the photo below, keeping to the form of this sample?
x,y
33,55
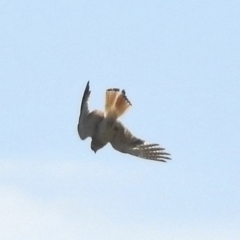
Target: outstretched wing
x,y
88,121
125,142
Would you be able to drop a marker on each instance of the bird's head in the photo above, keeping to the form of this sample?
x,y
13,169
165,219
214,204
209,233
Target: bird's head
x,y
95,145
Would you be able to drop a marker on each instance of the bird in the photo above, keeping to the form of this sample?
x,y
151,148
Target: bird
x,y
104,127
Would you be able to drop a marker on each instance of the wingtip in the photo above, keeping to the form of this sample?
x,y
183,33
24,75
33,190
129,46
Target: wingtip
x,y
88,85
86,95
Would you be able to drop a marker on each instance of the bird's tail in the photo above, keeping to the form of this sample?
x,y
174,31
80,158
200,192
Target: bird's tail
x,y
116,103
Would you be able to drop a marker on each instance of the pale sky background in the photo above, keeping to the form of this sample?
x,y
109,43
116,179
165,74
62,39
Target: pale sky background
x,y
179,62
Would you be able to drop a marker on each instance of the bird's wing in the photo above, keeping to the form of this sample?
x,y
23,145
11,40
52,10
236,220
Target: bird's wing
x,y
125,142
88,120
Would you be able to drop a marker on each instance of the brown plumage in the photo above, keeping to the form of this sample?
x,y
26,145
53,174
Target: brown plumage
x,y
116,103
103,127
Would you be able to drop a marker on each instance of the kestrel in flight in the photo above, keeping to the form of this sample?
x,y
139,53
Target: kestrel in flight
x,y
104,127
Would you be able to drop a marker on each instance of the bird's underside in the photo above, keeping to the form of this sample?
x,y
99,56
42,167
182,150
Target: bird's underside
x,y
104,127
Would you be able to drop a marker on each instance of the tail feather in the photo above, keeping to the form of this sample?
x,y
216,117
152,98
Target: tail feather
x,y
116,103
122,103
111,96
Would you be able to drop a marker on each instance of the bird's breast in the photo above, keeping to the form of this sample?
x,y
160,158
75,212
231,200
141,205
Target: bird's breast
x,y
106,130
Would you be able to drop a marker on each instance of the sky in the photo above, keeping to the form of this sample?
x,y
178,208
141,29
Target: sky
x,y
179,63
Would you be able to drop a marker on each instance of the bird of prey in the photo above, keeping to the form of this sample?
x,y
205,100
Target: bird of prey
x,y
104,127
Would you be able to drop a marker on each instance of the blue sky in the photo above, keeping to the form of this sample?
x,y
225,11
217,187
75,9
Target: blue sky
x,y
179,62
